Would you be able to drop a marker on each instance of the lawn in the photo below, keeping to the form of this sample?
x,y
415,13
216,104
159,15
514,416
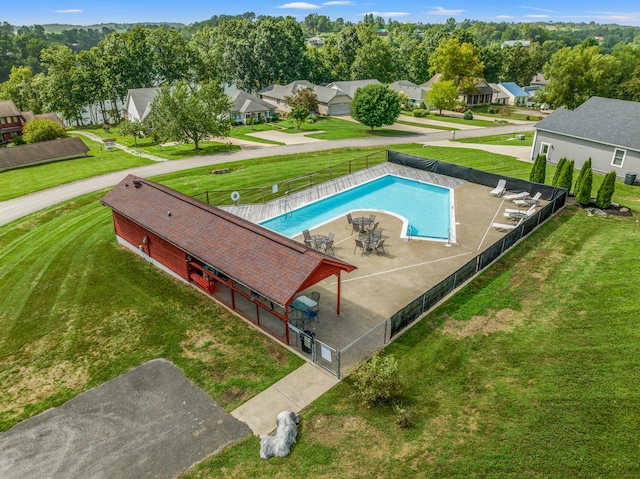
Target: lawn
x,y
14,183
243,132
507,140
333,128
167,152
529,371
483,110
458,120
427,125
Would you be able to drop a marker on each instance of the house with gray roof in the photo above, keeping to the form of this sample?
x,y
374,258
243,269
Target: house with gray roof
x,y
246,105
350,87
331,101
414,92
137,106
482,93
603,129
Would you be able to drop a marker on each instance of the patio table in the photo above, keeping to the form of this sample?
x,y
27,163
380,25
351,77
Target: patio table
x,y
317,240
361,222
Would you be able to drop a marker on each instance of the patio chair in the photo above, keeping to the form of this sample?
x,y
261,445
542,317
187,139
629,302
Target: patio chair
x,y
500,188
326,245
519,214
315,296
307,238
517,196
373,226
504,227
359,244
372,218
530,202
379,245
330,236
349,221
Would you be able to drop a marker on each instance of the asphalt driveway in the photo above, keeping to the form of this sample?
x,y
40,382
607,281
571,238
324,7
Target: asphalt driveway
x,y
151,422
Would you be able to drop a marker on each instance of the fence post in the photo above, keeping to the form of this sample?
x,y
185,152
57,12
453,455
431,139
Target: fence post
x,y
350,166
263,201
338,363
422,310
331,173
366,162
208,197
384,340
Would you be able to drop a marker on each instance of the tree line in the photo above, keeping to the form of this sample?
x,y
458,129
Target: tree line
x,y
254,52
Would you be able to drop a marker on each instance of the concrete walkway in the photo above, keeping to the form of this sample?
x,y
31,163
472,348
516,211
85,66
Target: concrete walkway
x,y
131,151
293,393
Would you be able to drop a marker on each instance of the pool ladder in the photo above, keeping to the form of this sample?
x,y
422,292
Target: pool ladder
x,y
286,208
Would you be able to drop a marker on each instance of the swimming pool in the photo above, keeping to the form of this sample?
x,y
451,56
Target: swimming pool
x,y
424,208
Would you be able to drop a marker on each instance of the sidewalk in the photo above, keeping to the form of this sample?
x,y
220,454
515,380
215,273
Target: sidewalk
x,y
131,151
292,393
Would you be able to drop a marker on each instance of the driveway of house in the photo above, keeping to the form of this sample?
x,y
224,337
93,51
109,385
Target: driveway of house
x,y
286,138
151,422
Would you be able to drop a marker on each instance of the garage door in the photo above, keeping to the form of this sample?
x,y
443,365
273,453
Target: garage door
x,y
339,109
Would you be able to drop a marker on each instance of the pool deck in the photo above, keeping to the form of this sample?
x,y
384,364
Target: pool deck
x,y
383,284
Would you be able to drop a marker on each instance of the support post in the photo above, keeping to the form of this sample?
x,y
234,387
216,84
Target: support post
x,y
338,309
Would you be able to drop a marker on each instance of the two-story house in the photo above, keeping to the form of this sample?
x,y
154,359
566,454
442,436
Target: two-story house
x,y
11,121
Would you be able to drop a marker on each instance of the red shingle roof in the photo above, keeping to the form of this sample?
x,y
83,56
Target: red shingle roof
x,y
264,261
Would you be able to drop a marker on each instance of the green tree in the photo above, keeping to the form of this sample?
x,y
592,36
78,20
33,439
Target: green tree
x,y
566,175
583,193
20,89
298,113
556,175
135,129
191,114
443,95
375,105
62,93
41,129
374,59
539,169
304,98
606,190
583,171
457,62
578,73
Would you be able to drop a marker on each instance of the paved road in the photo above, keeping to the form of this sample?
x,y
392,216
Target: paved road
x,y
18,207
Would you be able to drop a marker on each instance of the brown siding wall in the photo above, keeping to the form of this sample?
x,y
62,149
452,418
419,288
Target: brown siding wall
x,y
157,248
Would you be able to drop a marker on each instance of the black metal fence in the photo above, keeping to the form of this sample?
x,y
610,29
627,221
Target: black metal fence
x,y
427,300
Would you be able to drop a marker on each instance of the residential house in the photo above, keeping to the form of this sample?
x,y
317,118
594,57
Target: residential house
x,y
514,94
513,43
11,121
315,42
29,115
499,96
482,94
137,106
331,101
246,105
603,129
350,87
414,92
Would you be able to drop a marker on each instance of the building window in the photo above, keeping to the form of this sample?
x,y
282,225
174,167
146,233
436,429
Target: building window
x,y
2,121
544,149
618,157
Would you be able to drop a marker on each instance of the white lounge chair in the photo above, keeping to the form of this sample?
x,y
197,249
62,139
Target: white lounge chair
x,y
517,196
530,202
505,227
500,188
514,214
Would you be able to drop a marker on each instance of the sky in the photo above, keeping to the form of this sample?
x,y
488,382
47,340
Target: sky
x,y
77,12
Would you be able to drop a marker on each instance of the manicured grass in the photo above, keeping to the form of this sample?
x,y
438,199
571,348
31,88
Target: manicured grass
x,y
337,129
482,110
167,152
243,132
427,125
507,140
14,183
458,120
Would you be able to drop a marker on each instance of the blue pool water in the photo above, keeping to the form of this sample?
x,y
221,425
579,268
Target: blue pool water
x,y
425,207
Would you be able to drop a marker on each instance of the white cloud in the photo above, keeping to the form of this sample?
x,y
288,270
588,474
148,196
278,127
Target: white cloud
x,y
386,14
536,16
69,10
538,9
504,17
443,11
301,5
338,2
